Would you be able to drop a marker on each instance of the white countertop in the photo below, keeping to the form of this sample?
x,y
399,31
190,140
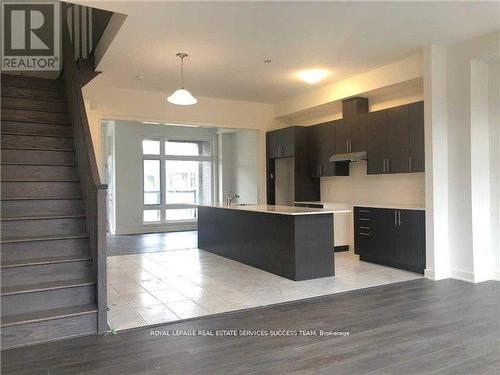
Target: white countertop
x,y
339,206
389,206
270,209
336,207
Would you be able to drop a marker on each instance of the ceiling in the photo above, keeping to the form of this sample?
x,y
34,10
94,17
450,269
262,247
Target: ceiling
x,y
228,41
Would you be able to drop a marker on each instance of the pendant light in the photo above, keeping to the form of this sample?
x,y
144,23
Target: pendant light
x,y
182,96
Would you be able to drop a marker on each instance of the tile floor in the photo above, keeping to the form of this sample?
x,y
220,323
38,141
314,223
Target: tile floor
x,y
159,287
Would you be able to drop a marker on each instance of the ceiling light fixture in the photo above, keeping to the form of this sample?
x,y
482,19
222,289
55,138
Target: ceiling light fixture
x,y
182,96
313,76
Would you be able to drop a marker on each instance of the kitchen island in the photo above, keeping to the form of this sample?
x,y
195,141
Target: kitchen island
x,y
293,242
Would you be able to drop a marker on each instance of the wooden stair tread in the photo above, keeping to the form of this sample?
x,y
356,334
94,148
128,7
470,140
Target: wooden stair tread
x,y
43,84
49,217
43,164
32,93
42,261
39,134
37,148
48,238
51,180
38,316
41,198
40,287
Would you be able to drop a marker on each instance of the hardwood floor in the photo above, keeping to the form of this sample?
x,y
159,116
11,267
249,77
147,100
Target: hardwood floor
x,y
414,327
126,244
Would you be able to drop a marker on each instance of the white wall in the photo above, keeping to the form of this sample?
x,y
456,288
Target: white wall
x,y
436,162
245,166
129,177
359,188
226,167
458,98
494,119
139,105
239,165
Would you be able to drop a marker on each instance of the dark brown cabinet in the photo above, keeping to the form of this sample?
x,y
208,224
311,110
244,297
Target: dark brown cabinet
x,y
281,143
291,142
393,237
350,134
416,160
395,140
350,131
321,148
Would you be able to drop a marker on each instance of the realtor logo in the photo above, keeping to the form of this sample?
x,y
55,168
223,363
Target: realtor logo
x,y
30,36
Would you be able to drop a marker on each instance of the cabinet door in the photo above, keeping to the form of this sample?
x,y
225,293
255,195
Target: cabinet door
x,y
376,142
398,140
281,143
411,248
358,133
287,138
386,233
314,151
272,145
416,160
342,136
364,239
327,150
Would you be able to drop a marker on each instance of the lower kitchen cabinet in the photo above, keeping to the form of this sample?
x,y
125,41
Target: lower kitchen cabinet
x,y
391,237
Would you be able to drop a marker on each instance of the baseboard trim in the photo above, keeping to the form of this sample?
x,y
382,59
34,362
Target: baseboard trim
x,y
157,229
429,274
462,275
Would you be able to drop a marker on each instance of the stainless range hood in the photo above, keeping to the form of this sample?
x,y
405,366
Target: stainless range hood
x,y
351,156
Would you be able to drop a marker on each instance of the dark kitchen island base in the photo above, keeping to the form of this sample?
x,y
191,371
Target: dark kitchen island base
x,y
298,247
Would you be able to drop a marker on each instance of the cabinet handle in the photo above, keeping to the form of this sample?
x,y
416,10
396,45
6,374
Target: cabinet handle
x,y
399,218
321,170
347,145
388,166
383,166
410,163
364,234
395,218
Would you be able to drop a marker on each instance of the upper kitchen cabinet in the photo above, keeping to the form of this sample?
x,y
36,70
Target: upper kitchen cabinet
x,y
398,140
287,154
350,131
281,143
376,144
395,140
321,148
416,162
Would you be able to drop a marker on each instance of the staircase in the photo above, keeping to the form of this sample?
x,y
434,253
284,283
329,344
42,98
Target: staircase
x,y
48,288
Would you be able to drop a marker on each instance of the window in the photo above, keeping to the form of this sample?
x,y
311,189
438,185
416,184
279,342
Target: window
x,y
178,174
152,190
150,147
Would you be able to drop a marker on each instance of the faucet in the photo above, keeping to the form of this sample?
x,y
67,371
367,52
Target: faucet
x,y
230,198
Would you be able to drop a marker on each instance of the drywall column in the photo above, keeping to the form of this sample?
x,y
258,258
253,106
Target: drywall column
x,y
494,120
436,162
480,172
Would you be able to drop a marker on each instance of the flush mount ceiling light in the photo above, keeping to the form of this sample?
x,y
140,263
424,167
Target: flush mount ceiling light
x,y
182,96
313,76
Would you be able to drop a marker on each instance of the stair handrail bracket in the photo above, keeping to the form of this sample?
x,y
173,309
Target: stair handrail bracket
x,y
94,191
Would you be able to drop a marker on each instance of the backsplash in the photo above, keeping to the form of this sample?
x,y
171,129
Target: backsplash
x,y
361,188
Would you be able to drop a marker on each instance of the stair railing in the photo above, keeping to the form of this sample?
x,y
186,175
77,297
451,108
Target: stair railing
x,y
93,190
